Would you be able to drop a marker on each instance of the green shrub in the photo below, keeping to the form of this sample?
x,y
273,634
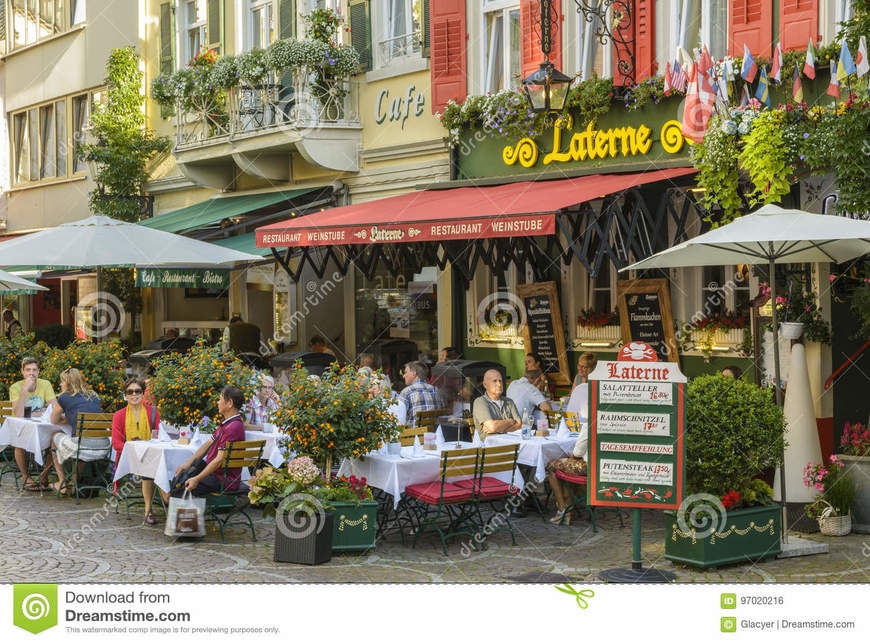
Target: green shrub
x,y
734,432
12,351
56,335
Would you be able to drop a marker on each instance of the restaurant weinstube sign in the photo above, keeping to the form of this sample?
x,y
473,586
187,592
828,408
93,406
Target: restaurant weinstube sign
x,y
637,411
182,278
619,137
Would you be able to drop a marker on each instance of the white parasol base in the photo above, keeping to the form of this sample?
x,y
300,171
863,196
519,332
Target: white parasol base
x,y
801,432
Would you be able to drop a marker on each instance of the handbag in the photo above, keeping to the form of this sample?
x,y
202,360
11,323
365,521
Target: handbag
x,y
185,516
177,487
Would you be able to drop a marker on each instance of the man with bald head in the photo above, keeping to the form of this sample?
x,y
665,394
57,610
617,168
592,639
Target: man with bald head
x,y
494,413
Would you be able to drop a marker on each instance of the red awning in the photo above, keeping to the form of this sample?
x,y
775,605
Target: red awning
x,y
510,210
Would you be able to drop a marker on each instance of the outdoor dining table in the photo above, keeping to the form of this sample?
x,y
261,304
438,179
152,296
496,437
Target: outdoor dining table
x,y
31,434
536,452
393,473
271,450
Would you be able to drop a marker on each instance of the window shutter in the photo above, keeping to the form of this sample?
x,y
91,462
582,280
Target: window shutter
x,y
215,25
530,24
449,54
167,43
360,31
424,36
286,19
3,22
798,23
751,23
645,39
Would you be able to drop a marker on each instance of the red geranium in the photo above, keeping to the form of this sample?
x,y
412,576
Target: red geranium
x,y
730,499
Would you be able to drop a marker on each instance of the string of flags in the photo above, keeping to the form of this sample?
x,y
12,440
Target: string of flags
x,y
706,83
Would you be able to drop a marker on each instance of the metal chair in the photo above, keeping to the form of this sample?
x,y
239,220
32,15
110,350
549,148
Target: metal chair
x,y
491,490
223,504
8,466
429,419
409,434
95,426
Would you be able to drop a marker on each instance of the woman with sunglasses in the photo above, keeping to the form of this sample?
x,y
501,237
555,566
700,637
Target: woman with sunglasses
x,y
136,421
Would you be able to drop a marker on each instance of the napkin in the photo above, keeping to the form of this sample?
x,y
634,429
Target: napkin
x,y
563,433
439,438
418,447
475,442
162,435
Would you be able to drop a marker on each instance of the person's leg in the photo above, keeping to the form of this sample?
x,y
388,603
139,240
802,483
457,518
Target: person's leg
x,y
559,493
147,495
21,461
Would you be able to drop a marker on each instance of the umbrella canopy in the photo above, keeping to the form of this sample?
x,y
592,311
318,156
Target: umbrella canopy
x,y
785,236
103,242
13,285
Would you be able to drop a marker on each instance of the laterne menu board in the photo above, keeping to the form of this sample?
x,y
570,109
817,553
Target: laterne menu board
x,y
543,332
636,423
645,315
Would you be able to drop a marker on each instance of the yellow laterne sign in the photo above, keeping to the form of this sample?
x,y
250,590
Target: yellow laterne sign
x,y
595,144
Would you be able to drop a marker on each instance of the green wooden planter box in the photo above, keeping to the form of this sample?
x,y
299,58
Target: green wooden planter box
x,y
750,534
354,526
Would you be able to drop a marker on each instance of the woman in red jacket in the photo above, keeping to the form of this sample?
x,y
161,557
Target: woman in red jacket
x,y
136,421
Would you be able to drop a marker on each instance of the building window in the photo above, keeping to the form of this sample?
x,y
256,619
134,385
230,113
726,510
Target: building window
x,y
401,36
261,21
35,20
194,21
700,22
502,58
595,59
725,289
42,137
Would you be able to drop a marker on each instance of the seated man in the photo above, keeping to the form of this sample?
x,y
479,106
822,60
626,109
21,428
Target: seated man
x,y
528,397
203,470
34,393
418,395
318,345
494,413
261,406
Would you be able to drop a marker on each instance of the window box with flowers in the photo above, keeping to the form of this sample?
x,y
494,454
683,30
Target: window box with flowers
x,y
855,455
734,434
727,330
598,326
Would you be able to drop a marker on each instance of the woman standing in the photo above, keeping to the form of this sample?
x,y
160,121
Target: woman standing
x,y
136,421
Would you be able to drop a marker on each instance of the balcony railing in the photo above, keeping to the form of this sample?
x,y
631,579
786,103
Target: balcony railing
x,y
299,100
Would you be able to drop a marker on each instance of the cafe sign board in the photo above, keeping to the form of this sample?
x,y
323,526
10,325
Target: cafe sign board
x,y
182,278
645,315
636,431
543,333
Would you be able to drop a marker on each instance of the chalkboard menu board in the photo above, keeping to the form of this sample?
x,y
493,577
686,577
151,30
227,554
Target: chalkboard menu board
x,y
543,332
645,315
636,431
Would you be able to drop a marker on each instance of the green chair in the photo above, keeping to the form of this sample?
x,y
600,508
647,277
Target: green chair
x,y
223,505
491,490
92,426
8,466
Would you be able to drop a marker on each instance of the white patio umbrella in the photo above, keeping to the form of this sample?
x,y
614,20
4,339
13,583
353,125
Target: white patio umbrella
x,y
769,236
12,284
103,242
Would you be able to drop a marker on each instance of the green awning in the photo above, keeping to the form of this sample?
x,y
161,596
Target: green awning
x,y
244,243
217,208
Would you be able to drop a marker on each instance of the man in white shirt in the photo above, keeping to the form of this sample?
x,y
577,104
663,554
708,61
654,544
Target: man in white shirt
x,y
529,399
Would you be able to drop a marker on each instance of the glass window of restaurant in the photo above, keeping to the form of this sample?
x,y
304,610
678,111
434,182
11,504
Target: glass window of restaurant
x,y
398,307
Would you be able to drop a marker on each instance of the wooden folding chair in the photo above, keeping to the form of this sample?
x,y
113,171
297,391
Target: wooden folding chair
x,y
429,419
223,504
8,466
490,489
97,426
409,434
426,503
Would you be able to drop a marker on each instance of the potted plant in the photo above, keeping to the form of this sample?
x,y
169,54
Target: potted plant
x,y
836,492
356,511
598,325
798,314
298,498
734,433
855,455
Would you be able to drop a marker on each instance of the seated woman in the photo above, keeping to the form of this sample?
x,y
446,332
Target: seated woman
x,y
76,397
576,466
541,382
136,421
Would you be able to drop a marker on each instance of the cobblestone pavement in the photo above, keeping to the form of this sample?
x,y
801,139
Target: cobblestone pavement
x,y
37,544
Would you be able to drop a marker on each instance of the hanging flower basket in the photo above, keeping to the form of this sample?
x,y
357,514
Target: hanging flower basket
x,y
792,330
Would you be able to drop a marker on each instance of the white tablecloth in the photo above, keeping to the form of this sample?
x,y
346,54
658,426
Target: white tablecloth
x,y
30,434
535,452
271,452
394,473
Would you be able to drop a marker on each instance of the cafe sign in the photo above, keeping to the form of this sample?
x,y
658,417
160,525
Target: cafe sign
x,y
636,431
182,278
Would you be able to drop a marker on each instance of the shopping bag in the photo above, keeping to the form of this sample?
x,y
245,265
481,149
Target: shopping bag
x,y
185,516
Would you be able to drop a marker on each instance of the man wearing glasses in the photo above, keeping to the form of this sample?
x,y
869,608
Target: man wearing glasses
x,y
261,406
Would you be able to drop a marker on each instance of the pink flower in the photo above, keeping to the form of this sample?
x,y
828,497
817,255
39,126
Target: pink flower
x,y
819,486
832,277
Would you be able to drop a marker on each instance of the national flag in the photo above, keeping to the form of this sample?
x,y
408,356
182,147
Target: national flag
x,y
698,107
776,67
846,65
744,96
685,60
722,84
797,89
679,78
749,68
729,70
762,93
705,61
810,62
834,87
669,85
862,66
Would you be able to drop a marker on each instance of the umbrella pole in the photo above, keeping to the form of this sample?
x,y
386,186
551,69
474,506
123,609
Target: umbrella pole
x,y
99,293
775,333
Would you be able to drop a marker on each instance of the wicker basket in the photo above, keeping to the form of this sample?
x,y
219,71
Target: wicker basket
x,y
834,525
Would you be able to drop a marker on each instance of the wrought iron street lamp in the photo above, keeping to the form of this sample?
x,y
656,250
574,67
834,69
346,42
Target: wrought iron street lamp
x,y
547,88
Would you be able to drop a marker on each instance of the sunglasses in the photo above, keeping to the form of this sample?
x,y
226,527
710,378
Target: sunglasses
x,y
134,391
